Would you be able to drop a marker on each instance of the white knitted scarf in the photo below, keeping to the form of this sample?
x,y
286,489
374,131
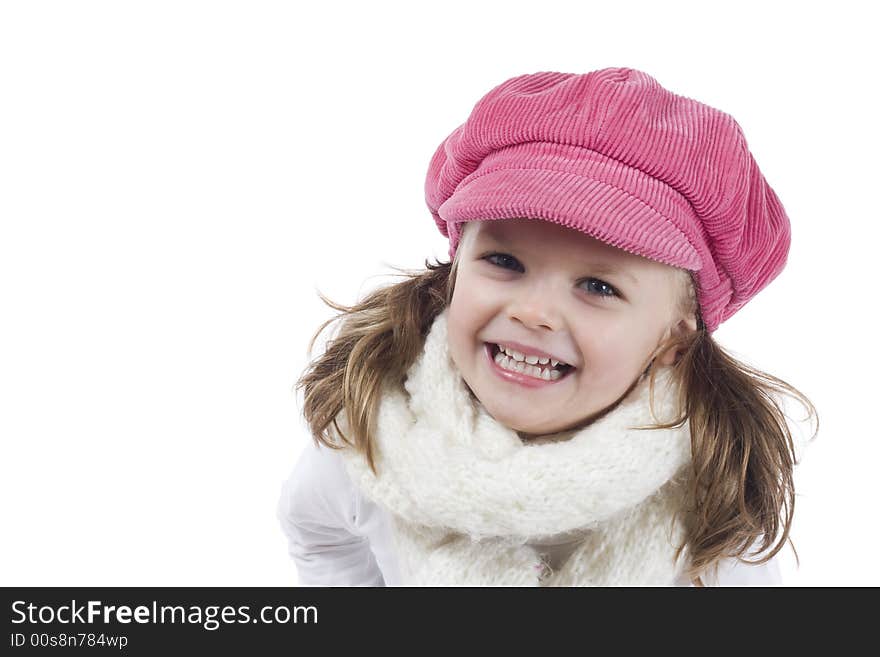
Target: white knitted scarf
x,y
467,496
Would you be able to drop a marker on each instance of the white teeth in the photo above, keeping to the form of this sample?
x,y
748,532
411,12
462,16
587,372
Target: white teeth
x,y
513,365
531,360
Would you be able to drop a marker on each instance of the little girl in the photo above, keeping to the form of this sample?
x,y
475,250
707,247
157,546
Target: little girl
x,y
549,408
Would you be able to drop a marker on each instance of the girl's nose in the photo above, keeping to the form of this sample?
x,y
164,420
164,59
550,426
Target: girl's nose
x,y
536,308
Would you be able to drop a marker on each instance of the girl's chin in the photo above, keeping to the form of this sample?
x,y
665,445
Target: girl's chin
x,y
525,427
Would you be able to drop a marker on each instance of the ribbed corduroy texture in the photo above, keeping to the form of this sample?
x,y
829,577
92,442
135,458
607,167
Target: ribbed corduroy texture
x,y
615,155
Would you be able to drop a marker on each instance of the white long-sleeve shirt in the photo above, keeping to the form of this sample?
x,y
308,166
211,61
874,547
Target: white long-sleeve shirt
x,y
338,537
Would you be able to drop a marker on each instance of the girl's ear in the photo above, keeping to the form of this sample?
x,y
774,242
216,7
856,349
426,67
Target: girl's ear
x,y
683,327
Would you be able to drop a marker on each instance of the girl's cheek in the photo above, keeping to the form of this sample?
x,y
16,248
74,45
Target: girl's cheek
x,y
489,288
480,295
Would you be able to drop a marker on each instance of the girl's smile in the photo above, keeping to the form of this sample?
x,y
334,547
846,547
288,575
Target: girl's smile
x,y
520,372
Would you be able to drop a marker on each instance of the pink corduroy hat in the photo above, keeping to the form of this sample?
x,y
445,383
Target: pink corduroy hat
x,y
613,154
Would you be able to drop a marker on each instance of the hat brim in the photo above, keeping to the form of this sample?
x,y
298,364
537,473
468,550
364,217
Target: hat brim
x,y
609,213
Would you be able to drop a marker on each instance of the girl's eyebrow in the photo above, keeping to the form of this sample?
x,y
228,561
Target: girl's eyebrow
x,y
597,267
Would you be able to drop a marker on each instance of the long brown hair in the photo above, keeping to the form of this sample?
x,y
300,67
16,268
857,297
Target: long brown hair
x,y
741,488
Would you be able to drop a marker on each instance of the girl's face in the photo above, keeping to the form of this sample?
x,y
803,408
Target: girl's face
x,y
558,291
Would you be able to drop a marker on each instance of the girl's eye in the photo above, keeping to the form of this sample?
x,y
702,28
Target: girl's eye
x,y
600,284
503,257
596,286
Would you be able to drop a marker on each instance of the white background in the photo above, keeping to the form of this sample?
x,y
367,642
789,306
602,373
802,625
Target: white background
x,y
178,179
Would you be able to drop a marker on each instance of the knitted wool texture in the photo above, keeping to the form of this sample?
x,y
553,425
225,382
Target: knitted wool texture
x,y
467,495
613,154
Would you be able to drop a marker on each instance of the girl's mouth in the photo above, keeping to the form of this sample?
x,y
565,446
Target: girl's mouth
x,y
525,373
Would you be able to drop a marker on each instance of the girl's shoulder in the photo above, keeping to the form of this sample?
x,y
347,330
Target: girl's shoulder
x,y
318,513
734,572
319,490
